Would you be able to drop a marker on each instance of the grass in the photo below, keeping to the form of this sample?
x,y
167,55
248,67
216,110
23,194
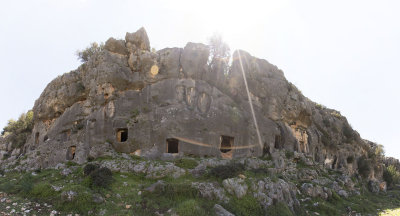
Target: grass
x,y
186,163
126,194
279,209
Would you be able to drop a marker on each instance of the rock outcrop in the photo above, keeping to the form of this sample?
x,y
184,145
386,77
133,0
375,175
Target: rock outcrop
x,y
128,99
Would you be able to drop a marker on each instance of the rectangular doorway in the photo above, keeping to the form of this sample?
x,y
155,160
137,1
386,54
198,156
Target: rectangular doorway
x,y
172,145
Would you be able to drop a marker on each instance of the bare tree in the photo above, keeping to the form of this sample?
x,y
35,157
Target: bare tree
x,y
219,54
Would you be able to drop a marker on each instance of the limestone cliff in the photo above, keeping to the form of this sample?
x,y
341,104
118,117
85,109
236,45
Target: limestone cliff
x,y
173,102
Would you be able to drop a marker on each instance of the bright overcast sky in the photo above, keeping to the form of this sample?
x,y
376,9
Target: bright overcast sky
x,y
343,54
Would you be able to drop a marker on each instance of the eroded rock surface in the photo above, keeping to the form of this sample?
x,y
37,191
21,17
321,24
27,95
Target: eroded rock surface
x,y
173,102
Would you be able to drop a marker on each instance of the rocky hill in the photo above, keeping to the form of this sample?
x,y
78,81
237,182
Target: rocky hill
x,y
177,102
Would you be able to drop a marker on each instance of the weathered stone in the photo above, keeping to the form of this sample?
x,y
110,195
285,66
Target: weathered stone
x,y
373,186
170,103
139,39
66,172
268,192
211,190
235,186
343,193
314,191
194,60
116,46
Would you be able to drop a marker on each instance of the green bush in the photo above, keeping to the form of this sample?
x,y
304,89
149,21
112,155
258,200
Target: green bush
x,y
189,208
18,131
89,168
101,178
334,197
81,204
43,191
279,209
227,171
391,175
172,191
186,163
289,154
86,54
260,170
26,183
245,206
9,187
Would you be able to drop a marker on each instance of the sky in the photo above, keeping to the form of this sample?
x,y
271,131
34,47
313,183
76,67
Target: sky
x,y
342,54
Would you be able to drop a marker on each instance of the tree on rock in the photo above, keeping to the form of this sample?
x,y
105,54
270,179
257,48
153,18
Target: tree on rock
x,y
219,54
86,54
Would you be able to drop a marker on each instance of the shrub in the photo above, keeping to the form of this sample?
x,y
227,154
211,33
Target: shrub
x,y
101,177
279,209
43,191
172,191
71,163
190,207
9,187
247,205
186,163
26,183
86,54
289,154
391,175
18,131
227,171
260,170
334,197
81,204
89,168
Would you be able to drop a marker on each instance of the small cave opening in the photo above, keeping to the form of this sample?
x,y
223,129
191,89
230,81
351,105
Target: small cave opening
x,y
226,144
37,138
71,152
122,134
172,145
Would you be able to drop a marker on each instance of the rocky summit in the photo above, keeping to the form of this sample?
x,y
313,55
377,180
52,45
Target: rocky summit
x,y
147,111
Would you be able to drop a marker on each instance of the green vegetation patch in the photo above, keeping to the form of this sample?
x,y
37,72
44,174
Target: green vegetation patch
x,y
186,163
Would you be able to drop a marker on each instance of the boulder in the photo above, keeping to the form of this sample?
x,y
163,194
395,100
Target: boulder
x,y
66,171
194,60
314,191
211,190
373,186
268,192
116,46
235,186
139,39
